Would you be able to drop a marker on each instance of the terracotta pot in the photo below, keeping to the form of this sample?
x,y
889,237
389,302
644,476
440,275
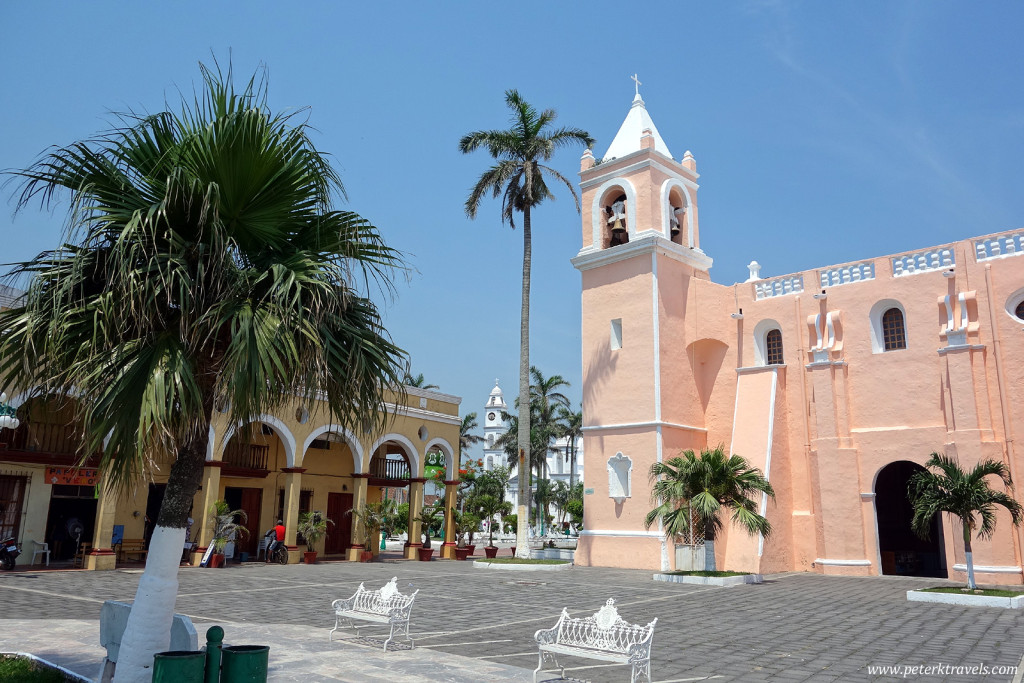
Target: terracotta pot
x,y
472,549
309,557
491,551
425,554
216,560
366,556
462,553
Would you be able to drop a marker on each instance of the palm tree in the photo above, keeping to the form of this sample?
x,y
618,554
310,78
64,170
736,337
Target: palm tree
x,y
695,490
419,381
519,177
204,265
545,404
466,436
544,495
572,431
966,495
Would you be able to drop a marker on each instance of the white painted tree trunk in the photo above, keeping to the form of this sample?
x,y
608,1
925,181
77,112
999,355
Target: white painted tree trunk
x,y
149,624
970,570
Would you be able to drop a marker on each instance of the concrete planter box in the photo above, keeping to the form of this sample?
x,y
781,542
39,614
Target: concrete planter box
x,y
710,580
966,599
552,554
483,564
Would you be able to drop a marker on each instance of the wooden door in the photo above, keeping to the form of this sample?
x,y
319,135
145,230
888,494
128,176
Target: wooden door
x,y
339,534
252,501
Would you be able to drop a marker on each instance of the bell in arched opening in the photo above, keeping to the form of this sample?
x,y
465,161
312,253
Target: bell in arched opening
x,y
616,218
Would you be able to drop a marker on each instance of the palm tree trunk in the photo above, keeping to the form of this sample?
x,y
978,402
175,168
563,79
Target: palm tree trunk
x,y
709,548
969,557
572,463
148,630
523,516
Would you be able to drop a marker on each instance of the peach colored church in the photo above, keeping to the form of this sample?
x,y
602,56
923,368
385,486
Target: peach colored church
x,y
837,382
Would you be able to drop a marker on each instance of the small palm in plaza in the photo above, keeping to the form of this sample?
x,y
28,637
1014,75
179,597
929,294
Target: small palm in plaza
x,y
695,490
945,487
225,523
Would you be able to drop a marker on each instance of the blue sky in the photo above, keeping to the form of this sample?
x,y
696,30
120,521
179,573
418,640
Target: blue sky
x,y
823,132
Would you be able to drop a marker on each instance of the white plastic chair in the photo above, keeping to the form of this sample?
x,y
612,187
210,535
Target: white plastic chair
x,y
41,549
262,549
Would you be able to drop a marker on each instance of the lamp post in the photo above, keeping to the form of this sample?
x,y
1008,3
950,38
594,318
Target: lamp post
x,y
8,415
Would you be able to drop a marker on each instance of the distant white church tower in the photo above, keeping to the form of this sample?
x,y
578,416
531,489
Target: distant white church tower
x,y
494,426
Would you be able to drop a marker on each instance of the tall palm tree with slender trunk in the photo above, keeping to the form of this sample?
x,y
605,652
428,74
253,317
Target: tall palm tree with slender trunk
x,y
966,495
519,178
545,403
696,490
205,264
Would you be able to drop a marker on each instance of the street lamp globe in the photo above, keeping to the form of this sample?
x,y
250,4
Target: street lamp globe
x,y
8,415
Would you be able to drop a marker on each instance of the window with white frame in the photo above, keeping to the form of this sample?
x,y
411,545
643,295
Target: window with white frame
x,y
888,326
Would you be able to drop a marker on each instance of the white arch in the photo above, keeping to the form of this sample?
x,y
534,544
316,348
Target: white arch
x,y
410,450
350,439
597,216
875,315
666,188
761,331
279,427
449,454
1012,302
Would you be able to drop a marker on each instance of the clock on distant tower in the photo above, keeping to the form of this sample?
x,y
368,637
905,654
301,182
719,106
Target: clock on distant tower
x,y
490,416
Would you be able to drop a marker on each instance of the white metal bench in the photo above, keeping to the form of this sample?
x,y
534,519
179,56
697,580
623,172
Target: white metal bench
x,y
382,606
604,636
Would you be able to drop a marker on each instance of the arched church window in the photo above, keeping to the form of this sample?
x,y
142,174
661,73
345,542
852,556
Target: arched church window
x,y
615,218
894,334
773,348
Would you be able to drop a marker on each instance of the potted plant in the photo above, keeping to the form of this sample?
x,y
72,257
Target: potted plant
x,y
372,517
224,522
465,523
313,527
430,516
490,506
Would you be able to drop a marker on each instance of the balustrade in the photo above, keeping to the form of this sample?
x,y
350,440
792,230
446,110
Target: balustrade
x,y
1000,247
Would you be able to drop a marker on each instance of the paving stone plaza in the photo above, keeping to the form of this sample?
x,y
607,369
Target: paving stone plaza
x,y
478,625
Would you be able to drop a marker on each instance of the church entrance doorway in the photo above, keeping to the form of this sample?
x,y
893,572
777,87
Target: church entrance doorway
x,y
902,551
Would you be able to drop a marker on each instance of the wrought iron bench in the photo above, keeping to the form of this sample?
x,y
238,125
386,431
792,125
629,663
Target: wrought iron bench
x,y
382,606
604,636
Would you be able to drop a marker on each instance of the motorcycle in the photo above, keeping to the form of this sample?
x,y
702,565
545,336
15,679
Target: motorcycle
x,y
8,552
276,551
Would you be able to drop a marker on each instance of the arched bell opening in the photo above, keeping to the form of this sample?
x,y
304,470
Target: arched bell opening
x,y
677,216
613,211
902,551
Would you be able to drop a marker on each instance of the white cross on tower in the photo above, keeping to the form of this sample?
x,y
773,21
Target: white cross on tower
x,y
638,83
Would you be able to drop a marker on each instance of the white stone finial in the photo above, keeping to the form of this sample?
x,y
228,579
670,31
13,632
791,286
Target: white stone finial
x,y
495,381
636,80
755,271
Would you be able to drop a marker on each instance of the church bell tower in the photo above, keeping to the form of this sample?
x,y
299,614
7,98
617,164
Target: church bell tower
x,y
641,248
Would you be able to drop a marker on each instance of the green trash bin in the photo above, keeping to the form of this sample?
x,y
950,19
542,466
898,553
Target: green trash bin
x,y
179,666
245,664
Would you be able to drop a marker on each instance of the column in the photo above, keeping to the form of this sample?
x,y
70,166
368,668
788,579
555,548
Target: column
x,y
451,488
415,541
102,555
207,495
360,480
292,491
